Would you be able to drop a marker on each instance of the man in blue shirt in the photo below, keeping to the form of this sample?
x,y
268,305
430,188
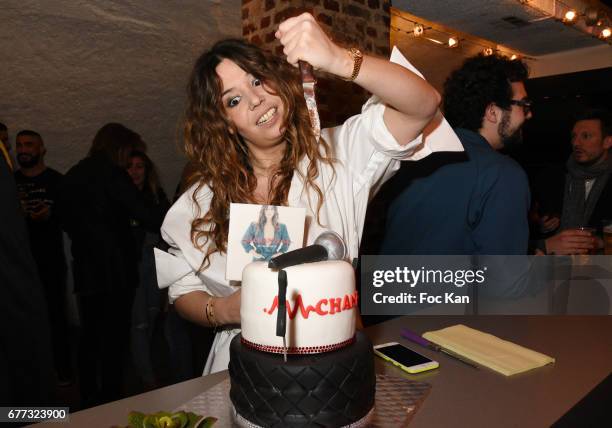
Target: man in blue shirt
x,y
477,202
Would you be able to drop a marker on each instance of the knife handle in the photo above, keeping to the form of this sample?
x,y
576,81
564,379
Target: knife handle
x,y
306,72
417,338
281,316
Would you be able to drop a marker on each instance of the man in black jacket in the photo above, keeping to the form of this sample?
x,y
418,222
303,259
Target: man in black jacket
x,y
26,369
580,193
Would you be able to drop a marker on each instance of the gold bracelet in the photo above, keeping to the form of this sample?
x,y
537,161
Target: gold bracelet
x,y
357,57
210,313
207,312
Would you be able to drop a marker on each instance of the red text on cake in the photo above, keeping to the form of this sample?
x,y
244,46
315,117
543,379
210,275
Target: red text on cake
x,y
323,307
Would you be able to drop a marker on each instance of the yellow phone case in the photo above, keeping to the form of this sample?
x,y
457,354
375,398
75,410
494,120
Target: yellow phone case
x,y
434,364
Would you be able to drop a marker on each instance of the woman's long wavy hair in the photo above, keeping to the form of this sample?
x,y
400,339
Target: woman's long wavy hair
x,y
116,142
222,157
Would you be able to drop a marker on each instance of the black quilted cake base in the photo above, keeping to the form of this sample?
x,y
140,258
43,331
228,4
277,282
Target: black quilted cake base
x,y
332,389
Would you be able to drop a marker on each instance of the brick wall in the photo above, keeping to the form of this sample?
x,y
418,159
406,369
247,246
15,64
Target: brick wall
x,y
360,23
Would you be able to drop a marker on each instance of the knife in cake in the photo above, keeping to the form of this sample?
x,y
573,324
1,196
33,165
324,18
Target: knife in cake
x,y
308,85
281,316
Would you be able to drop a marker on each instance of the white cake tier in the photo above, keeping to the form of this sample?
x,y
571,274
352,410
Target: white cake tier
x,y
321,305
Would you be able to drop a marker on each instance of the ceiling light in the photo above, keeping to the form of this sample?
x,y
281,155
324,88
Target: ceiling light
x,y
514,57
453,42
570,16
605,33
418,30
487,51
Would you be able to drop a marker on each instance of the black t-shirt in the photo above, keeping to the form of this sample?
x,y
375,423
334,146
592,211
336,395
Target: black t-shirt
x,y
38,196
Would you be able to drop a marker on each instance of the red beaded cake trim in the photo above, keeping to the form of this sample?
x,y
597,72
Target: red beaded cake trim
x,y
298,349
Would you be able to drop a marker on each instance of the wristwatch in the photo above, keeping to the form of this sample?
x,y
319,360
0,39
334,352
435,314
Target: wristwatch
x,y
357,60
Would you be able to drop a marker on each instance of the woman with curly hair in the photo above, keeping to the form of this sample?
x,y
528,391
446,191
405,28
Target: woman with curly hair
x,y
248,130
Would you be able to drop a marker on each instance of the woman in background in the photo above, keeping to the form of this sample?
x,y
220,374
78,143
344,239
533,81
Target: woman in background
x,y
97,202
148,297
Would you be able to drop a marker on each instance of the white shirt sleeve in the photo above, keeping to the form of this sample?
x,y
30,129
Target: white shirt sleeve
x,y
366,148
179,268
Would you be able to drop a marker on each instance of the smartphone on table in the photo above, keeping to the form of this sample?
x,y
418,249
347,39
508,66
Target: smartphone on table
x,y
405,358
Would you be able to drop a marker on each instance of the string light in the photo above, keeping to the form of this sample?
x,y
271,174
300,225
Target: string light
x,y
592,21
569,17
419,31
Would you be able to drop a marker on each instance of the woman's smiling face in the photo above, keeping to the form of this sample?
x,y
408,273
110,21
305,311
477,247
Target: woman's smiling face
x,y
256,113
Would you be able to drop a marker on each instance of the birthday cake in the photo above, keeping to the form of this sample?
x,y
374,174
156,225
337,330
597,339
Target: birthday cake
x,y
328,378
321,307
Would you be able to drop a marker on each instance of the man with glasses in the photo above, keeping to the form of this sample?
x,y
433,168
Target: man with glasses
x,y
474,202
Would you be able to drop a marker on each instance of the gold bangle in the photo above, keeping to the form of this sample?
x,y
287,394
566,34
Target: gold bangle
x,y
207,311
210,312
357,57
